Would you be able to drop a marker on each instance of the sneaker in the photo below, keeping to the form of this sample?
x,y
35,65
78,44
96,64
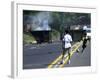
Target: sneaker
x,y
62,62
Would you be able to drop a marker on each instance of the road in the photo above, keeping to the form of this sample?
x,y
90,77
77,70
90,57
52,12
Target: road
x,y
40,56
80,59
49,55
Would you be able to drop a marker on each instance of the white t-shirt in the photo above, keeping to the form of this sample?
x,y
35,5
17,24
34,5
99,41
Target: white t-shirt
x,y
67,39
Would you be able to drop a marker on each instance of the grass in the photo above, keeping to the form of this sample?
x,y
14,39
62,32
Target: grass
x,y
28,38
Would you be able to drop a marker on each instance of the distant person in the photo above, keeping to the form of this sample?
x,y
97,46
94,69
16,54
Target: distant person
x,y
67,39
84,42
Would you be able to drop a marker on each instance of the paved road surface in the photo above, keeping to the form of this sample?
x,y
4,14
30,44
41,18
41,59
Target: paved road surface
x,y
40,56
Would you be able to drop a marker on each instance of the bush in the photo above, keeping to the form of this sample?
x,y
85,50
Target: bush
x,y
28,38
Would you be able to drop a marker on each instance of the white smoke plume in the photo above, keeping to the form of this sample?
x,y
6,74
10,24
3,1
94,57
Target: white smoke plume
x,y
40,21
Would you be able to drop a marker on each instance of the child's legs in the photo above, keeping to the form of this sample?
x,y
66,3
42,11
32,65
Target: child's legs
x,y
64,52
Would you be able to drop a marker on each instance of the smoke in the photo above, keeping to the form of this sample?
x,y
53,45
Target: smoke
x,y
40,21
